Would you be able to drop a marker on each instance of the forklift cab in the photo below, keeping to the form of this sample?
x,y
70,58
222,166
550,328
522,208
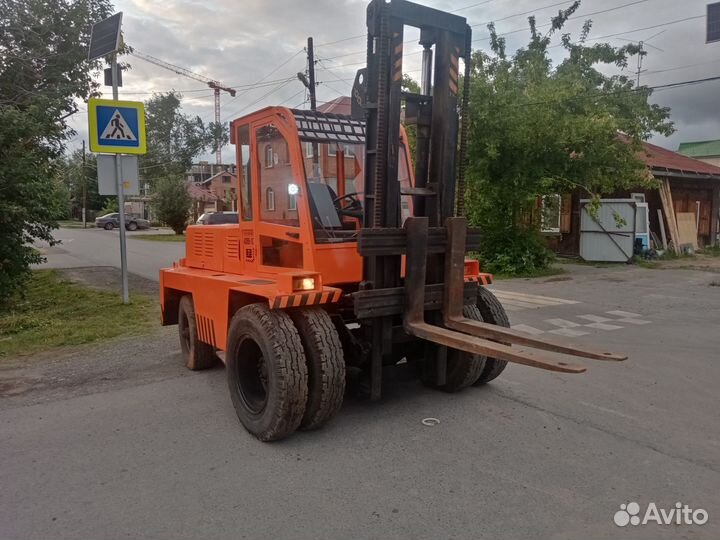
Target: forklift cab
x,y
301,191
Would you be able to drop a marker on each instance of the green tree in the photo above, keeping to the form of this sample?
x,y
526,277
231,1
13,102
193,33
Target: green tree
x,y
538,129
174,138
172,202
78,177
44,72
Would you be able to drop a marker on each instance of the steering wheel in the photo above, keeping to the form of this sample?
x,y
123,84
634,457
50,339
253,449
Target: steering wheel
x,y
353,208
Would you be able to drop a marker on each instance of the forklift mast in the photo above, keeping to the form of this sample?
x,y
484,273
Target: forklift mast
x,y
439,159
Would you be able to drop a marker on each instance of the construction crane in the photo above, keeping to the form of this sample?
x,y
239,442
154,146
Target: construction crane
x,y
215,85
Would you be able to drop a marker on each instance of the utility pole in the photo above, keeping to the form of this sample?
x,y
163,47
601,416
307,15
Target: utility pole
x,y
640,62
84,188
309,83
311,73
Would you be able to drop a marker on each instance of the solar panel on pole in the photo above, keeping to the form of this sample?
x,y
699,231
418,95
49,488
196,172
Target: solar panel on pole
x,y
713,22
105,37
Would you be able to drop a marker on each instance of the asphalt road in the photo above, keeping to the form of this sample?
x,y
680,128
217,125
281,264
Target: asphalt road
x,y
120,441
98,247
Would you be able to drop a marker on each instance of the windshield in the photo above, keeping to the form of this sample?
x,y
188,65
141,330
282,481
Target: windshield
x,y
335,176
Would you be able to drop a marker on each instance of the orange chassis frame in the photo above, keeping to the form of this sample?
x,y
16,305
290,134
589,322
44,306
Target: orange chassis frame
x,y
221,269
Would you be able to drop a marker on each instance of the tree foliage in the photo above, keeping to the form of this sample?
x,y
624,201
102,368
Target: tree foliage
x,y
78,177
538,128
44,71
410,85
172,202
174,138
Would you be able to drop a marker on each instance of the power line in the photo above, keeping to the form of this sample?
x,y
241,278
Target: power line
x,y
523,13
471,6
601,95
195,90
676,21
583,16
292,57
598,12
257,100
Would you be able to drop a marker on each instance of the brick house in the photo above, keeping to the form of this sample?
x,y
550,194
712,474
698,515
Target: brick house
x,y
214,186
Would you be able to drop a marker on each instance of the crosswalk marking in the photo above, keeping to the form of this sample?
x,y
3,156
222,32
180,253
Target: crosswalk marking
x,y
603,326
515,301
528,329
594,318
623,314
567,328
562,323
568,332
632,320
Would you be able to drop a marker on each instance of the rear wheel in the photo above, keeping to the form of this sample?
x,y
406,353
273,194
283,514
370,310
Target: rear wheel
x,y
267,372
325,365
491,311
197,355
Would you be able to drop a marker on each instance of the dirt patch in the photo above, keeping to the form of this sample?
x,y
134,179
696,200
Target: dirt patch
x,y
109,278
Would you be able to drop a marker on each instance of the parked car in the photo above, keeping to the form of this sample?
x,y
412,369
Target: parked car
x,y
112,221
218,218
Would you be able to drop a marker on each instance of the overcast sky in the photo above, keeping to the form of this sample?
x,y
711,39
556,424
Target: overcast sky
x,y
243,43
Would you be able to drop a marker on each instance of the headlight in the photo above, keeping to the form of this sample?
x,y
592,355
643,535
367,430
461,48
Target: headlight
x,y
303,284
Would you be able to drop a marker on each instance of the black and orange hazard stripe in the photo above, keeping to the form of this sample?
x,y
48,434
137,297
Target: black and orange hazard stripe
x,y
482,279
305,299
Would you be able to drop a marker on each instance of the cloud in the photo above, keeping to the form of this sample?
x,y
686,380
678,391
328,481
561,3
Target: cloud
x,y
240,43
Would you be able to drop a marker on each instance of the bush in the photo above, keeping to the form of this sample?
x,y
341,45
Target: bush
x,y
514,252
172,203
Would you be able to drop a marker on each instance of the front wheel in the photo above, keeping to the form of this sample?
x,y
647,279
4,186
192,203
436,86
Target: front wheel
x,y
266,371
132,226
109,226
325,363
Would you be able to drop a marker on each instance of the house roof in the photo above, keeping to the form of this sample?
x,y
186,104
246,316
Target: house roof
x,y
660,160
221,173
700,149
340,105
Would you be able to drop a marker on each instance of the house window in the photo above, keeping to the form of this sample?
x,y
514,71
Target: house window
x,y
349,151
268,156
269,200
550,214
292,202
225,179
332,149
308,149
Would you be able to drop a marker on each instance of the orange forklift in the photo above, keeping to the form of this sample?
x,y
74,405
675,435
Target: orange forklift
x,y
345,255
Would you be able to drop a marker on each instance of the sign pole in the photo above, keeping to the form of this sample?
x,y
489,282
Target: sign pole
x,y
120,194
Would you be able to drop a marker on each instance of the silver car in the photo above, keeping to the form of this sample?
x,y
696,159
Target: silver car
x,y
112,221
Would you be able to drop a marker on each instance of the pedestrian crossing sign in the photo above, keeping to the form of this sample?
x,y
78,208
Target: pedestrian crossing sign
x,y
117,127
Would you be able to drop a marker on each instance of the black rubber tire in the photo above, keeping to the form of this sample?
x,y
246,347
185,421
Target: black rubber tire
x,y
109,226
325,365
463,368
491,310
197,355
132,226
255,330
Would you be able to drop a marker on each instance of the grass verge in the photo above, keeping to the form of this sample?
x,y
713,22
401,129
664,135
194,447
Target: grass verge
x,y
56,312
160,237
72,224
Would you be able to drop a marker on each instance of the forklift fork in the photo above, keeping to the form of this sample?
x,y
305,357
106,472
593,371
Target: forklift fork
x,y
468,335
